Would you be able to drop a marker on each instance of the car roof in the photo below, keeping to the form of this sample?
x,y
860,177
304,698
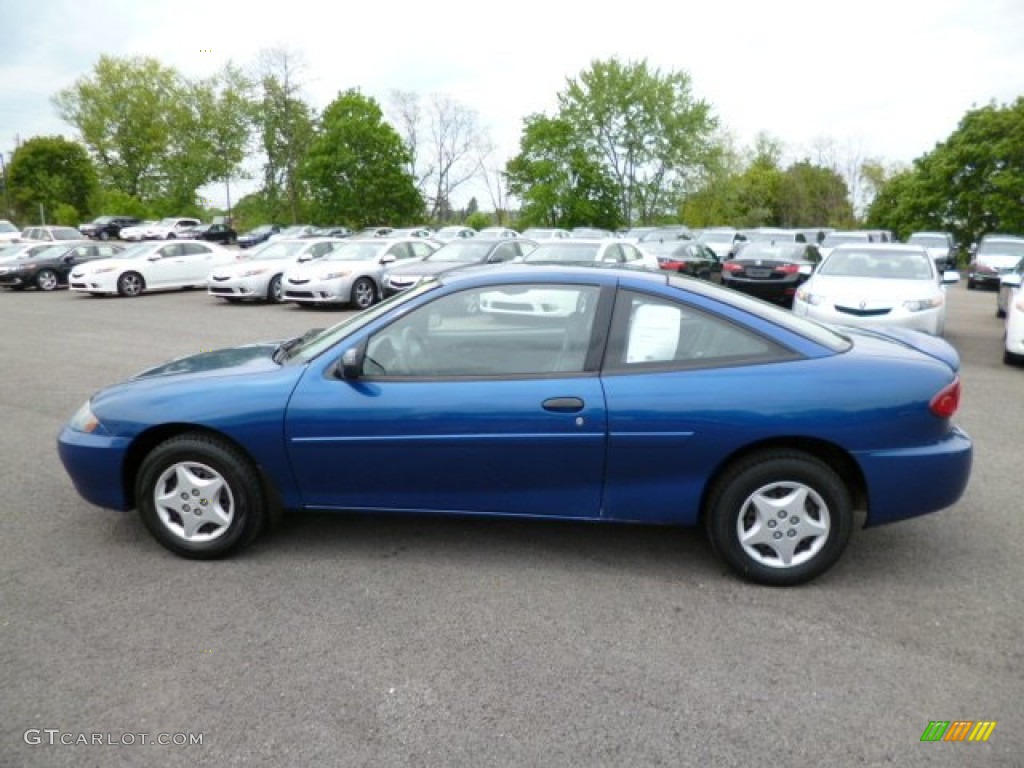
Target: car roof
x,y
523,272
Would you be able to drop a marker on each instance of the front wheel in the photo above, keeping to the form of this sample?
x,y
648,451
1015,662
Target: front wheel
x,y
275,293
130,284
46,280
200,496
780,518
364,293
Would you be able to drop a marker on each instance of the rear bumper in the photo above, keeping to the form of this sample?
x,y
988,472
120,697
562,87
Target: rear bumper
x,y
910,482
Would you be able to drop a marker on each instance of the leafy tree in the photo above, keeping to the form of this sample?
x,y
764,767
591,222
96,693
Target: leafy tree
x,y
55,173
970,184
478,220
125,111
648,130
357,167
286,126
559,182
812,195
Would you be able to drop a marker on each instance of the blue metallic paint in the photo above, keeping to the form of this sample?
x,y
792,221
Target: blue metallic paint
x,y
488,447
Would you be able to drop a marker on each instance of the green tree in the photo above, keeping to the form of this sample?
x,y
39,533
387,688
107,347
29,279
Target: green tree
x,y
810,195
357,167
970,184
648,130
286,125
125,111
55,173
559,183
478,220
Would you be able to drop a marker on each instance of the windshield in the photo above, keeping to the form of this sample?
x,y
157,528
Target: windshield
x,y
929,241
328,338
6,226
291,232
138,251
357,252
1001,248
49,252
466,252
777,251
893,265
837,239
261,230
564,252
279,249
167,222
717,237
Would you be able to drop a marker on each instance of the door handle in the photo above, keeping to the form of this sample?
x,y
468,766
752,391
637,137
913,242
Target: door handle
x,y
563,404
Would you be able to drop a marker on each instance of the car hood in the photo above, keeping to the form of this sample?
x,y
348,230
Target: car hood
x,y
94,266
998,260
427,267
933,346
872,291
317,268
236,268
232,360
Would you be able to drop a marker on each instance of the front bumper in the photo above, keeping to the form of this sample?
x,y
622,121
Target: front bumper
x,y
240,287
93,283
320,291
927,320
95,464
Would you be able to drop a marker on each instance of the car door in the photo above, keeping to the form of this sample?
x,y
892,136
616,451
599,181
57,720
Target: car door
x,y
458,410
166,268
678,395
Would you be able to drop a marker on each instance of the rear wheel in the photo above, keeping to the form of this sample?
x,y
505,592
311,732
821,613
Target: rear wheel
x,y
970,284
200,496
46,280
779,518
104,235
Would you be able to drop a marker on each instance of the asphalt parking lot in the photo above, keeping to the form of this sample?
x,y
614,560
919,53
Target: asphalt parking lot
x,y
359,641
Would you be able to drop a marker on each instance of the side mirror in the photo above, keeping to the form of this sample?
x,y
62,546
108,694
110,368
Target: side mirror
x,y
388,258
154,257
351,364
950,277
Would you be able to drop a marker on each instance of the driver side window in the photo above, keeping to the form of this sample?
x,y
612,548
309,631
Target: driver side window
x,y
511,331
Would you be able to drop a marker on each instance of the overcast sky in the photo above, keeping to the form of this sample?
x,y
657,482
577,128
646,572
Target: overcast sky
x,y
888,78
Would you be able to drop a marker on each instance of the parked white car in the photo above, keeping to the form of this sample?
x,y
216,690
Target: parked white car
x,y
8,232
1013,354
543,233
150,267
352,272
604,251
1008,283
165,229
877,284
294,232
258,273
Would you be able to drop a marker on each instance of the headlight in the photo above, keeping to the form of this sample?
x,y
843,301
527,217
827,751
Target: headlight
x,y
84,420
807,297
923,304
253,273
335,275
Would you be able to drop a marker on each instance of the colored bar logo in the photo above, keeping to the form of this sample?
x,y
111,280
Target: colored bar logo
x,y
958,730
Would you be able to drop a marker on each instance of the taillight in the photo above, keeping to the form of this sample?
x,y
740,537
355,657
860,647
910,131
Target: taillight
x,y
947,400
788,269
732,266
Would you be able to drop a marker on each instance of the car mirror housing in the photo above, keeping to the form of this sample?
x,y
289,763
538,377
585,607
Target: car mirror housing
x,y
950,276
351,364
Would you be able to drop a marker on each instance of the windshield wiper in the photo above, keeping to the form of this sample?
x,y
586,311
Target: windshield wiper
x,y
281,353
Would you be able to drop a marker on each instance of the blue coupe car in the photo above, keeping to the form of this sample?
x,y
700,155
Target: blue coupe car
x,y
543,391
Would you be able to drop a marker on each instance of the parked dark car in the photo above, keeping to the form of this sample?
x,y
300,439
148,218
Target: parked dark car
x,y
686,256
455,254
108,227
216,233
771,271
995,256
256,236
47,265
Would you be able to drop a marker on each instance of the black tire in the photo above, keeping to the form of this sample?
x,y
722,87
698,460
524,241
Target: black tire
x,y
104,235
364,293
47,280
130,284
822,509
236,511
1011,359
1000,313
970,284
275,293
